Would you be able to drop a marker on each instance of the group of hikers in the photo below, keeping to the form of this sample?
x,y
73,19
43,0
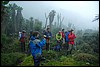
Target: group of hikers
x,y
65,40
36,45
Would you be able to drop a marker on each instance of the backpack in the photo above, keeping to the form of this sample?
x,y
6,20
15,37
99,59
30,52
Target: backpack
x,y
66,36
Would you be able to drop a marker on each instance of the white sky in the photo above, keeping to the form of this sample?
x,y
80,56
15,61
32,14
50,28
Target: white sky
x,y
81,13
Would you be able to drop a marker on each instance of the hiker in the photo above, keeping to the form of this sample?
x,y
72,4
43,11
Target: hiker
x,y
36,48
66,39
19,35
71,43
63,37
48,36
58,38
22,40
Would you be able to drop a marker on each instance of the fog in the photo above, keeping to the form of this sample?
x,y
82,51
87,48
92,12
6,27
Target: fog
x,y
79,13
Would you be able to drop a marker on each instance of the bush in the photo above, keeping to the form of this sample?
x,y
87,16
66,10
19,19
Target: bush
x,y
86,58
12,47
5,39
51,54
28,61
11,59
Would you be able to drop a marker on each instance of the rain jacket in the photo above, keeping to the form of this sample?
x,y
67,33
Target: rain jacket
x,y
71,38
58,36
66,36
36,46
48,34
63,34
22,38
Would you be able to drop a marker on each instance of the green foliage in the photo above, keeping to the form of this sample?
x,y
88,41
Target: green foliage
x,y
55,30
10,45
28,61
10,59
4,39
37,25
86,48
5,2
49,54
54,58
86,58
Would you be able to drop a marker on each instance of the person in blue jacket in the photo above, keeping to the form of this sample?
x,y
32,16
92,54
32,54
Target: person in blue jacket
x,y
66,38
36,48
48,35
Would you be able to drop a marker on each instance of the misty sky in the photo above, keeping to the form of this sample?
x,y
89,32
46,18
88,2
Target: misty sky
x,y
79,13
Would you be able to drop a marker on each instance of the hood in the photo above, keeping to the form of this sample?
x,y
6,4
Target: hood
x,y
32,38
36,41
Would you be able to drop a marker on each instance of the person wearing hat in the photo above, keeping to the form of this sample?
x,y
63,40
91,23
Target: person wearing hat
x,y
58,38
66,39
63,37
36,48
48,35
71,43
22,40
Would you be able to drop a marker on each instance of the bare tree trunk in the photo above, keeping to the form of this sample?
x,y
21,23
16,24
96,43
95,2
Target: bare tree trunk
x,y
58,20
55,24
50,24
46,20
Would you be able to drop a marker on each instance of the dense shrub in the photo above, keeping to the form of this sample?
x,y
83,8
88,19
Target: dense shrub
x,y
86,58
50,54
5,40
11,59
12,47
28,61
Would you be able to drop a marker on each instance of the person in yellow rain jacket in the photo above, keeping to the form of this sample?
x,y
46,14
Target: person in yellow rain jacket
x,y
58,36
58,45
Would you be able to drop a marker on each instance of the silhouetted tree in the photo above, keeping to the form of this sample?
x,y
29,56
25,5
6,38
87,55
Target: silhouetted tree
x,y
46,17
19,18
4,14
31,23
51,17
96,18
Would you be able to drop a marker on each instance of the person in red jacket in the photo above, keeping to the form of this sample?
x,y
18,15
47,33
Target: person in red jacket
x,y
71,43
22,41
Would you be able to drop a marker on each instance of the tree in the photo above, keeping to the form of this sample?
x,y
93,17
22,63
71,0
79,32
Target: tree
x,y
58,20
31,23
4,13
51,17
61,20
37,25
19,18
96,18
13,16
27,25
69,25
46,17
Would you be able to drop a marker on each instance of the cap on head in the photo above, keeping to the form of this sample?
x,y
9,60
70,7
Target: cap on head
x,y
24,31
62,29
48,28
71,30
